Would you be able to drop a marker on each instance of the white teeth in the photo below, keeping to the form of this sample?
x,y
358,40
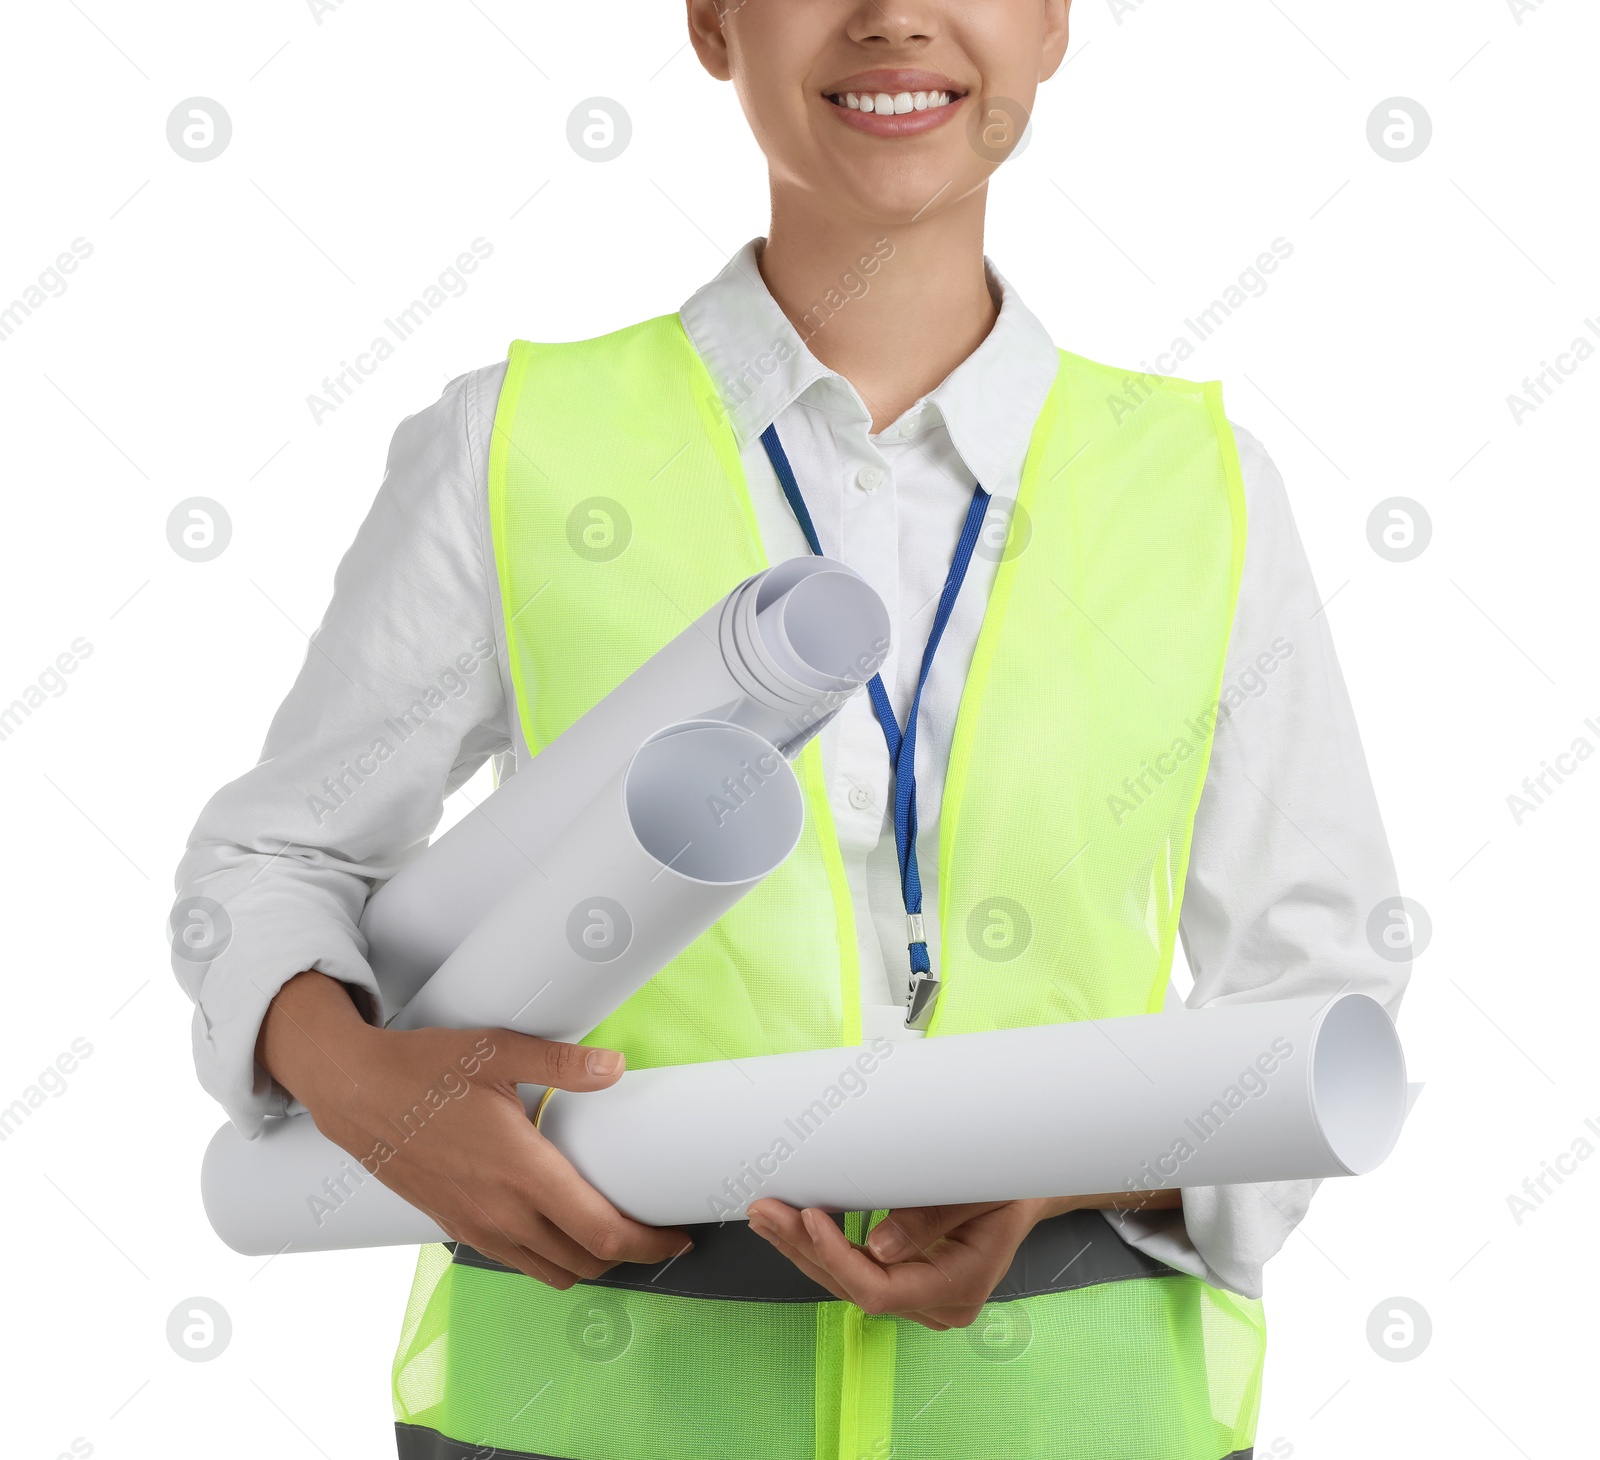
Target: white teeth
x,y
899,104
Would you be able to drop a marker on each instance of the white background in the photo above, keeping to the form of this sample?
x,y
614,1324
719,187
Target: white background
x,y
371,148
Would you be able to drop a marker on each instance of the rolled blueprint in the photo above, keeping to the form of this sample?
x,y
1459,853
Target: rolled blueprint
x,y
1247,1092
779,655
1242,1093
292,1190
700,815
696,819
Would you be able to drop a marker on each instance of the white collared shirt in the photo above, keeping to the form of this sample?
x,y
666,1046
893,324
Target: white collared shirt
x,y
1289,855
891,506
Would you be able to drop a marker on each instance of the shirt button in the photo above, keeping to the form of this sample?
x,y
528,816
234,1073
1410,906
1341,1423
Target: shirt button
x,y
860,798
908,427
869,478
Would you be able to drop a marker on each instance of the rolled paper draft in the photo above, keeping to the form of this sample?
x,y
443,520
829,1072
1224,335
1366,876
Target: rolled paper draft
x,y
779,655
1241,1093
701,815
292,1190
697,818
1255,1092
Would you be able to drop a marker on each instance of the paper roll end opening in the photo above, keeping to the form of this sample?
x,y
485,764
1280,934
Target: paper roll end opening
x,y
777,580
1358,1082
838,625
714,802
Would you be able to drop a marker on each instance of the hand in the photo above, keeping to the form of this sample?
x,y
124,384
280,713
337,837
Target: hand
x,y
933,1265
936,1266
435,1115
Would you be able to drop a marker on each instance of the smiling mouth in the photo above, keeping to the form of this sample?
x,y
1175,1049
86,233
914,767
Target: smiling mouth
x,y
899,103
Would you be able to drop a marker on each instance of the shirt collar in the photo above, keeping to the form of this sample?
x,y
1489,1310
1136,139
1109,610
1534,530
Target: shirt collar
x,y
761,366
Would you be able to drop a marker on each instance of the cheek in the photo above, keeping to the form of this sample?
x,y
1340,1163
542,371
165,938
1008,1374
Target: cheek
x,y
775,109
774,52
1003,43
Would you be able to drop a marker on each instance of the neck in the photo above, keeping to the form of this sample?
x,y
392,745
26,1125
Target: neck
x,y
897,325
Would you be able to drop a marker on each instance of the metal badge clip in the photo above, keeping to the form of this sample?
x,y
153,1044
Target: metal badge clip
x,y
924,987
920,1001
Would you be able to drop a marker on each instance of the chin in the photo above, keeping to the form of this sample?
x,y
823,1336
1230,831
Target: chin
x,y
899,195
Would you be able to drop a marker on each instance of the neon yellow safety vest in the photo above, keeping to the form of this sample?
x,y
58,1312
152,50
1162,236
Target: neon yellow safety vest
x,y
620,513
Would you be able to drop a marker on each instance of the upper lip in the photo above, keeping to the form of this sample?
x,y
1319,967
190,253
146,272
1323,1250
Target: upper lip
x,y
895,80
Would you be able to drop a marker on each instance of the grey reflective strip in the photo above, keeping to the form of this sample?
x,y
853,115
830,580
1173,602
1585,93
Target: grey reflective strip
x,y
1074,1250
728,1260
415,1443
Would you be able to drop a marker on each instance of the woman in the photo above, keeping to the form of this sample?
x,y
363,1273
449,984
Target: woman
x,y
1128,722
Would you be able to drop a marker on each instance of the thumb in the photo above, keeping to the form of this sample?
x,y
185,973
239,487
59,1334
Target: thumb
x,y
525,1059
911,1231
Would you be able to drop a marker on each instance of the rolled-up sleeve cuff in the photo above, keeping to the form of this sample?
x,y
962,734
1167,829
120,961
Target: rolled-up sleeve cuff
x,y
231,1001
1223,1235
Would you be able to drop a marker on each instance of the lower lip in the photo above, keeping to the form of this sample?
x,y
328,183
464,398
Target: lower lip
x,y
896,124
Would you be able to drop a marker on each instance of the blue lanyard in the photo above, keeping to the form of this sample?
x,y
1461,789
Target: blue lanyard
x,y
924,986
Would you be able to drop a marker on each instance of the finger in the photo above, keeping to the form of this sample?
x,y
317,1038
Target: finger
x,y
903,1288
778,1222
481,1232
817,1274
801,1253
975,1256
523,1059
532,1251
960,1317
785,1221
769,1209
911,1231
529,1264
537,1249
535,1233
587,1217
516,1237
786,1227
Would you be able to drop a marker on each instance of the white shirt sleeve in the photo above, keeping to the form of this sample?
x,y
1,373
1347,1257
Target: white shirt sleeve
x,y
403,696
400,699
1289,858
